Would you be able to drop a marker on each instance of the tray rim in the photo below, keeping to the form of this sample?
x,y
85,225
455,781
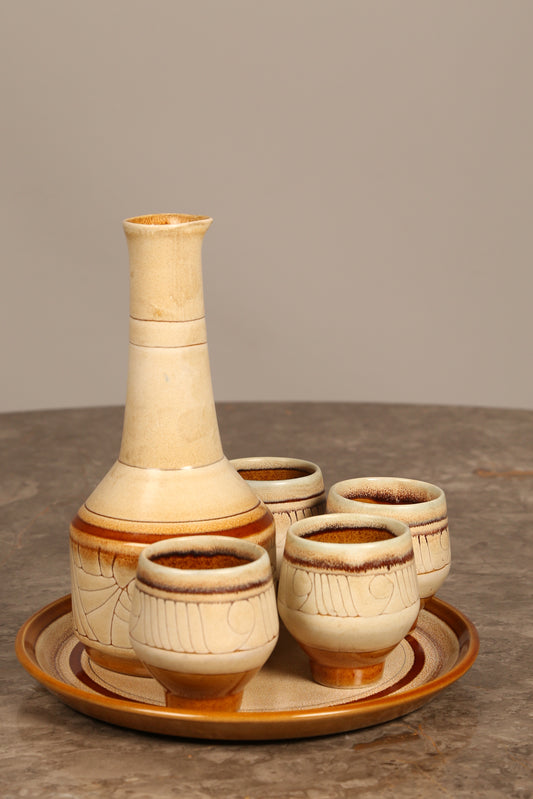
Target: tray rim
x,y
249,725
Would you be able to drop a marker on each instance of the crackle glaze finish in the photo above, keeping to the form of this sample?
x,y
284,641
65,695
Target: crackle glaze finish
x,y
171,477
348,593
420,505
204,617
291,488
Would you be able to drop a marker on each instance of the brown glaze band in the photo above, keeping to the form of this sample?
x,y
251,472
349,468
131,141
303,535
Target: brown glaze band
x,y
296,499
244,531
76,666
162,347
220,589
167,321
415,531
414,671
433,521
412,524
353,568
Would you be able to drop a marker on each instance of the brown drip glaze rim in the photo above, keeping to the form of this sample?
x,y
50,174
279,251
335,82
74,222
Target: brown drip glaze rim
x,y
164,219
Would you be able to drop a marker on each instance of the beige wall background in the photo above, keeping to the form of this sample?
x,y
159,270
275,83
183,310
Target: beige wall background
x,y
368,166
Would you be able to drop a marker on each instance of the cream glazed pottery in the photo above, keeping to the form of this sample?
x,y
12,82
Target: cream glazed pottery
x,y
171,477
204,618
348,594
291,488
418,504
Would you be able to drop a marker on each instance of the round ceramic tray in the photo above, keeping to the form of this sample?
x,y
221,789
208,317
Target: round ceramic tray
x,y
281,701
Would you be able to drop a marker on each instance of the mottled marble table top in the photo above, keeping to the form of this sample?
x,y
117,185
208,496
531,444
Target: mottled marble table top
x,y
474,739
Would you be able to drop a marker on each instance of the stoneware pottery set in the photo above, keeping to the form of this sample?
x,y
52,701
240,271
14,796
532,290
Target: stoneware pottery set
x,y
237,600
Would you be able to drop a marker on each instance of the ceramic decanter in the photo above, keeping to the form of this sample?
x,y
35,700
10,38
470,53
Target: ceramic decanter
x,y
171,477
